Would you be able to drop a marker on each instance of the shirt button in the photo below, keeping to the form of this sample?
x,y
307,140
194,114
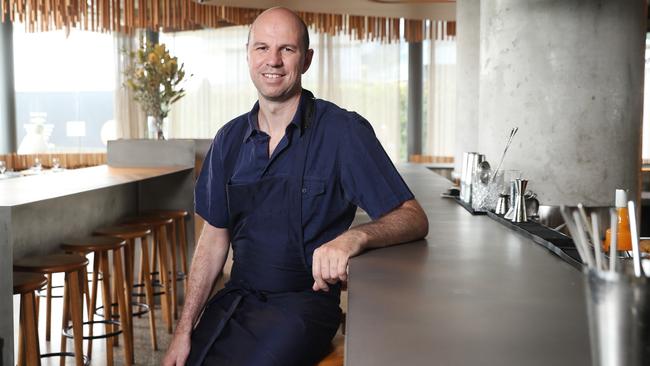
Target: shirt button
x,y
304,190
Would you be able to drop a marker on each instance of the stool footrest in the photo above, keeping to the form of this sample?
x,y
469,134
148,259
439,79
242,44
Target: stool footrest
x,y
144,309
67,331
66,354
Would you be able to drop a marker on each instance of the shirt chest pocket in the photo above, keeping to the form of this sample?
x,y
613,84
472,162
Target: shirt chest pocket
x,y
312,187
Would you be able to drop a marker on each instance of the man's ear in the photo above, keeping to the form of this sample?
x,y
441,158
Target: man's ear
x,y
308,57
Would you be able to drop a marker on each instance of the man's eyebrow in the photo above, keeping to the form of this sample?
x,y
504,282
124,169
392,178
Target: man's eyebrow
x,y
260,43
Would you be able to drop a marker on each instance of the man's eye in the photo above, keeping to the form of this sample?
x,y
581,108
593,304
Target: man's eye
x,y
261,48
288,49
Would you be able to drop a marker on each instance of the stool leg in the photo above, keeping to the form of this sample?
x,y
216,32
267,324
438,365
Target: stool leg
x,y
48,307
77,315
65,318
183,236
83,286
171,234
125,316
166,300
32,347
154,256
144,244
106,299
93,299
21,333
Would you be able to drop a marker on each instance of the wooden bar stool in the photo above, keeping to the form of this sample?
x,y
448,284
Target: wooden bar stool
x,y
336,356
73,266
100,246
159,227
179,233
28,348
130,234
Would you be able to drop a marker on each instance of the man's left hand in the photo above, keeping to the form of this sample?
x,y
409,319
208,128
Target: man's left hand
x,y
330,260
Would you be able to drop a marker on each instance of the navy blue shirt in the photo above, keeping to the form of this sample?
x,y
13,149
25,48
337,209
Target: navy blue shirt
x,y
346,167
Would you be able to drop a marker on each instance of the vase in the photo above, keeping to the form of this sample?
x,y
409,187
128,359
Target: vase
x,y
155,125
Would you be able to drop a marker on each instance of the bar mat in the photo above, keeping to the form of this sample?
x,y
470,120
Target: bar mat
x,y
468,207
553,240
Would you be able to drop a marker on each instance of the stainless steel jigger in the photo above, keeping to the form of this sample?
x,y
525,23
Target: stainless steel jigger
x,y
502,204
520,201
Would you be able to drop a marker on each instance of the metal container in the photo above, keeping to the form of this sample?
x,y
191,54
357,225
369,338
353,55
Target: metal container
x,y
619,318
511,207
463,175
520,201
502,205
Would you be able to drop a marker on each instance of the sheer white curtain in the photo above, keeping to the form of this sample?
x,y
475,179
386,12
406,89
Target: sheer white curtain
x,y
358,76
219,89
363,77
440,94
130,120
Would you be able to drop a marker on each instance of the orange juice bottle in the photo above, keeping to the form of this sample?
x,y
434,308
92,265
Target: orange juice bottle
x,y
624,240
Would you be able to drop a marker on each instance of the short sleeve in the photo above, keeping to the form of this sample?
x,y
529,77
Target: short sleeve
x,y
210,189
369,178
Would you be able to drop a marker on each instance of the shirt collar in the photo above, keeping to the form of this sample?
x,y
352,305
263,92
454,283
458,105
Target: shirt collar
x,y
298,120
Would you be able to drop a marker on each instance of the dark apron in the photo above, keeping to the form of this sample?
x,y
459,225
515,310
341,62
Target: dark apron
x,y
268,314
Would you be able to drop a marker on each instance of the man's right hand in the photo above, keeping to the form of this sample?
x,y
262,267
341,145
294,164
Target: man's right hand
x,y
178,350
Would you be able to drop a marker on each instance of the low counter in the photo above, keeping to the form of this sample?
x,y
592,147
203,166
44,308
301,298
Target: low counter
x,y
472,293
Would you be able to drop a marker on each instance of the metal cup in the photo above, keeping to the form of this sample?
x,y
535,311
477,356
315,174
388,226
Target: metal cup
x,y
463,174
618,307
520,202
502,205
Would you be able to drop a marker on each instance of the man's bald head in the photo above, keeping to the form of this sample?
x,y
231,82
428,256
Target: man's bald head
x,y
290,16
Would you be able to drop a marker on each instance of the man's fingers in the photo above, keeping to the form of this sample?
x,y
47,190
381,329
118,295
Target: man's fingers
x,y
316,270
342,270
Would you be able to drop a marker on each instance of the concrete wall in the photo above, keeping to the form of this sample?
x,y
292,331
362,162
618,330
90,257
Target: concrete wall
x,y
569,74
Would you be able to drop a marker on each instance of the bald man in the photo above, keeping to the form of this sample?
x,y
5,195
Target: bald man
x,y
282,183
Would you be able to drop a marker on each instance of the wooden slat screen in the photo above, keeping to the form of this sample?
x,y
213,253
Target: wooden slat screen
x,y
126,16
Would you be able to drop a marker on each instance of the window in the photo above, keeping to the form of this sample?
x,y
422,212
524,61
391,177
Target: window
x,y
65,84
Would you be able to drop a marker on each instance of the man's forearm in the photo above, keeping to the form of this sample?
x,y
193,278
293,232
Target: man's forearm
x,y
406,223
209,257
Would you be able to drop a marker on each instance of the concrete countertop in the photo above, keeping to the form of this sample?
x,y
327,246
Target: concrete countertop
x,y
472,293
29,189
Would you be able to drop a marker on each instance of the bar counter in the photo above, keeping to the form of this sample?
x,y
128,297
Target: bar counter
x,y
472,293
38,212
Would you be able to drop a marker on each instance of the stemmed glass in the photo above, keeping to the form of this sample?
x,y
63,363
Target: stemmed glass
x,y
55,164
3,167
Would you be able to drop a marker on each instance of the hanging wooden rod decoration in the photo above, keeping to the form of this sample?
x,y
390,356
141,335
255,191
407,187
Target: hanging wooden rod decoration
x,y
126,16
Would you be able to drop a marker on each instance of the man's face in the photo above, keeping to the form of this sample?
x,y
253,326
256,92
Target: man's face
x,y
276,58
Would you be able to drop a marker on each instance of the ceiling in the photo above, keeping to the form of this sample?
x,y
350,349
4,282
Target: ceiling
x,y
410,9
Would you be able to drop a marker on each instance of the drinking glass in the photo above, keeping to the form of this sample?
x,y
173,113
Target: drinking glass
x,y
3,167
37,164
56,165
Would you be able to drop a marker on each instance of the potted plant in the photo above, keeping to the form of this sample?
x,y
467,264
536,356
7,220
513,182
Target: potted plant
x,y
155,76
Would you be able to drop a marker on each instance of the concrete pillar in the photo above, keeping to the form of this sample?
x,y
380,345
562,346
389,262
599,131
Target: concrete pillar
x,y
7,90
467,86
414,121
569,74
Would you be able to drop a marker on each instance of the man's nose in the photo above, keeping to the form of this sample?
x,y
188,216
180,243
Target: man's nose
x,y
274,59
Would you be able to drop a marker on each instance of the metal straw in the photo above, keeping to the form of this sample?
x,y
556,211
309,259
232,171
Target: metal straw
x,y
636,252
613,240
573,231
585,220
583,240
598,252
513,132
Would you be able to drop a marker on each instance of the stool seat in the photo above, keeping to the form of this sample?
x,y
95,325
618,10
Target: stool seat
x,y
148,220
171,213
52,263
125,232
25,282
92,243
336,356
